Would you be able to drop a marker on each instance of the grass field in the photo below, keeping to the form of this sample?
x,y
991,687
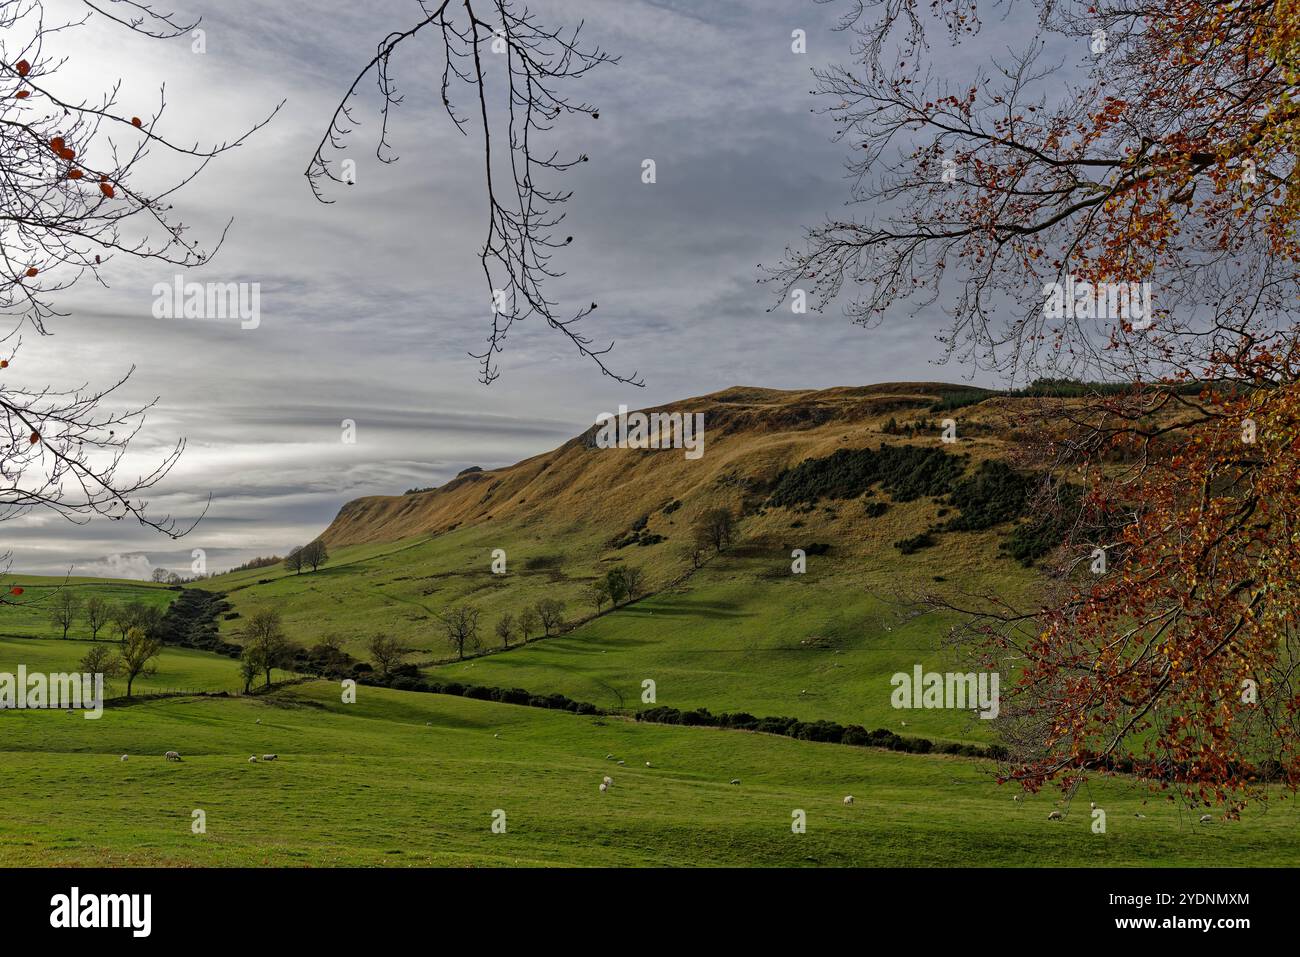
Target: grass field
x,y
177,669
403,779
29,616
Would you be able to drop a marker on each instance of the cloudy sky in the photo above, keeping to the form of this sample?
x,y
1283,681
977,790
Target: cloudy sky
x,y
370,305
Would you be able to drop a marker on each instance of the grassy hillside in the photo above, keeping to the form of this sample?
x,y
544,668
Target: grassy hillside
x,y
856,477
407,779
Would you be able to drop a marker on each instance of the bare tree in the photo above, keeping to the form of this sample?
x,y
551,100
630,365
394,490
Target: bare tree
x,y
386,652
550,612
98,611
715,528
67,606
74,197
461,627
597,593
314,554
99,660
535,64
528,622
505,629
294,561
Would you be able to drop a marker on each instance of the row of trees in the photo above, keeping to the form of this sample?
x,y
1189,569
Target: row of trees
x,y
619,586
312,555
98,613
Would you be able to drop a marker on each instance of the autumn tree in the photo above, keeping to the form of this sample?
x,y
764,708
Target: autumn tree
x,y
460,624
1137,227
80,194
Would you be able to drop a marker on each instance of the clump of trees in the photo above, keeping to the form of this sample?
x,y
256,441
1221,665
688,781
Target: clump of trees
x,y
713,530
312,555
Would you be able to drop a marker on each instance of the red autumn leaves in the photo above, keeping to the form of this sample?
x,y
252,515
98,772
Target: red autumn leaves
x,y
63,151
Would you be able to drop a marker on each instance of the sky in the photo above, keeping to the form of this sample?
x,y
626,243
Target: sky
x,y
370,305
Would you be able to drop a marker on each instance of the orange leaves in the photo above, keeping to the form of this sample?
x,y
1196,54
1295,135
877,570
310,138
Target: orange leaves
x,y
136,122
34,438
31,272
74,174
23,94
4,363
107,190
23,67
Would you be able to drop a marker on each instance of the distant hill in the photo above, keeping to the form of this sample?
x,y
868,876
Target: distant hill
x,y
751,436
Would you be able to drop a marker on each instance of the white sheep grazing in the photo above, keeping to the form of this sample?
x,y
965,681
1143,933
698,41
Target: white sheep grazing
x,y
172,756
607,780
124,757
270,757
647,764
735,780
622,763
1140,816
496,735
1206,819
848,799
252,759
603,787
609,757
1018,798
1054,816
258,721
1092,805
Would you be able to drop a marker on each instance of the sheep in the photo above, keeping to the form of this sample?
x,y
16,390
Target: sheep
x,y
1054,816
258,721
609,757
603,787
735,780
1140,816
1207,819
1018,798
496,735
848,799
607,780
648,764
172,756
1092,805
622,763
124,757
270,757
252,759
